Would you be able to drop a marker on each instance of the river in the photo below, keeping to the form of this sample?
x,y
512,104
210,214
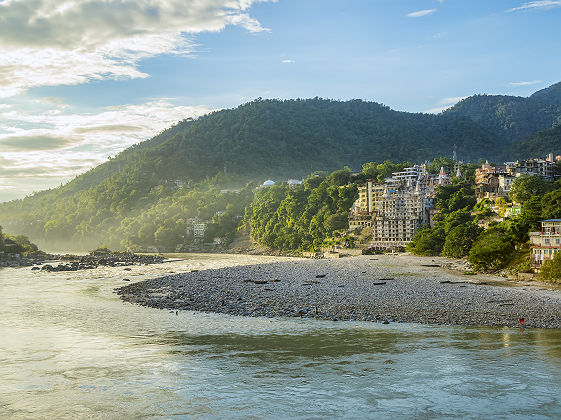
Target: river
x,y
69,348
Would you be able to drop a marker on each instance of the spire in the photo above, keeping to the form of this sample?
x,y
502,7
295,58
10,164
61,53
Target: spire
x,y
441,176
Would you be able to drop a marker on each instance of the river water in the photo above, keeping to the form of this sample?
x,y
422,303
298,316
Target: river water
x,y
69,348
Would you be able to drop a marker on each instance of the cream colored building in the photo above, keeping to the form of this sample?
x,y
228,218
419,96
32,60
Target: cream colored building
x,y
397,208
547,243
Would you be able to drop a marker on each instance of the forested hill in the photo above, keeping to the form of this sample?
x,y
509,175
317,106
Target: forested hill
x,y
540,144
259,140
272,138
184,166
513,118
268,138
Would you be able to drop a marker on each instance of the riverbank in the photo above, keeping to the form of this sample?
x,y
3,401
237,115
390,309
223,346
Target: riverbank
x,y
381,288
71,262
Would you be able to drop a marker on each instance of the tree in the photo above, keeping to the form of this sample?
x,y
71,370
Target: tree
x,y
427,241
526,186
492,250
528,220
460,240
338,178
551,269
551,205
501,204
335,222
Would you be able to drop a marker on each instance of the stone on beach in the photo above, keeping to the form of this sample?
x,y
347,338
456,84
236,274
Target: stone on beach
x,y
414,294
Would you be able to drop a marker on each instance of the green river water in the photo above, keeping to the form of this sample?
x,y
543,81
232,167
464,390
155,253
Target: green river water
x,y
69,348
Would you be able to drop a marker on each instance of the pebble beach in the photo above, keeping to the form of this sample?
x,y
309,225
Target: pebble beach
x,y
380,288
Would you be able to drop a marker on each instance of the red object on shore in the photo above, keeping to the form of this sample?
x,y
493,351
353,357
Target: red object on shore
x,y
521,321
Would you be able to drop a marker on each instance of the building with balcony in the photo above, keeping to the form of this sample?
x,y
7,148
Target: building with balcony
x,y
545,244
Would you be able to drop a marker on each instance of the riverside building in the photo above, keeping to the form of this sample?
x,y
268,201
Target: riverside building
x,y
397,208
547,243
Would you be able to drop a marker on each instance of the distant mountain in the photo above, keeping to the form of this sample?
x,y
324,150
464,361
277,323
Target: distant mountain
x,y
270,138
513,118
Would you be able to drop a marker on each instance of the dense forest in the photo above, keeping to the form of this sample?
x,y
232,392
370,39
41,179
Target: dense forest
x,y
513,118
540,144
199,169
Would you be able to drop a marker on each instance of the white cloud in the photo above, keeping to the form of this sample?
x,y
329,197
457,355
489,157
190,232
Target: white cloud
x,y
444,104
451,100
58,145
525,83
540,4
54,42
421,13
288,61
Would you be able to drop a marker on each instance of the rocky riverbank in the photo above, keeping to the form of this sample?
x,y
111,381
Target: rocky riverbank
x,y
93,260
68,262
383,288
17,260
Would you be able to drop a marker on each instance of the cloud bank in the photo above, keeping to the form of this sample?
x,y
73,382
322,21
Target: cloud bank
x,y
41,149
55,42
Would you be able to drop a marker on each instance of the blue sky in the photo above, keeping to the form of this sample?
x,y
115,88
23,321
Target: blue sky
x,y
81,80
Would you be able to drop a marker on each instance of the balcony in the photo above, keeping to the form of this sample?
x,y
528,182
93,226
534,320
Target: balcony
x,y
545,240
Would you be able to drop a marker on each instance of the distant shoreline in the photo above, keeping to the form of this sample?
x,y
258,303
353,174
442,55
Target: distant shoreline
x,y
379,288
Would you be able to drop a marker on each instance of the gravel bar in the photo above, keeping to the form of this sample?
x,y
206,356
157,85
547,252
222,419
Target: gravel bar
x,y
365,288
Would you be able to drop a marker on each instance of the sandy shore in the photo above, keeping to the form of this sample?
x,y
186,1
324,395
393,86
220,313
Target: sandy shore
x,y
385,288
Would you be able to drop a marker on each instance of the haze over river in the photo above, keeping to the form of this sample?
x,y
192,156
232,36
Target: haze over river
x,y
70,348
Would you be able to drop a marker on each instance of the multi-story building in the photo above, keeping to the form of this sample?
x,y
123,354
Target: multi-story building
x,y
400,213
396,208
492,181
535,166
547,243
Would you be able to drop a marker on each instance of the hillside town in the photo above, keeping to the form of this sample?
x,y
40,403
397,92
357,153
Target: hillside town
x,y
398,207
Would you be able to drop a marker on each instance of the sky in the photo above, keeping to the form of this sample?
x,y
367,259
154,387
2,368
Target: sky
x,y
81,80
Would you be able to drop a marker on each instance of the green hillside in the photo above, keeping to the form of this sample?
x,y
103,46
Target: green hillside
x,y
540,144
158,184
511,117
